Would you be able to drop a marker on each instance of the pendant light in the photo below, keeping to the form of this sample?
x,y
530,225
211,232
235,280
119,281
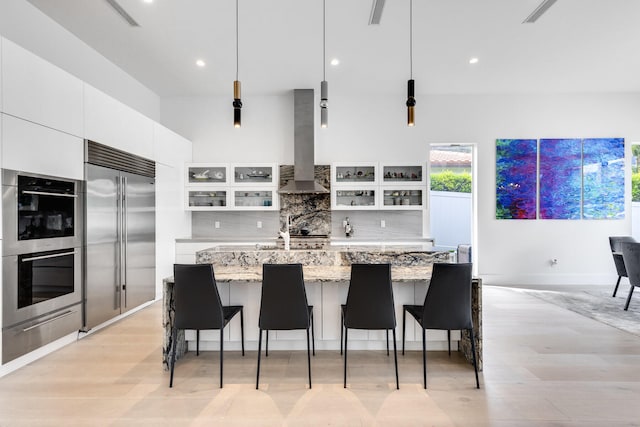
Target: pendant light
x,y
411,100
324,86
237,102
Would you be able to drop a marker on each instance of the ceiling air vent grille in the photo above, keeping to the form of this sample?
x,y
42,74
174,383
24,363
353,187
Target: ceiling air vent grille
x,y
120,10
537,13
376,12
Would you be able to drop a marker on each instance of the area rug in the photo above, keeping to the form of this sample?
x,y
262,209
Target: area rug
x,y
597,304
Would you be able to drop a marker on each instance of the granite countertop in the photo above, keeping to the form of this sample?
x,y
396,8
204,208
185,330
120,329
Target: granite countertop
x,y
250,256
333,241
316,273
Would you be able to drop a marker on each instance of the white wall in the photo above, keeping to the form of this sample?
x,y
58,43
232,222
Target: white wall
x,y
24,24
372,128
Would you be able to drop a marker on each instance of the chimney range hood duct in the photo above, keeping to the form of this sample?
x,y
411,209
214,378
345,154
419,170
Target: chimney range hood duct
x,y
303,150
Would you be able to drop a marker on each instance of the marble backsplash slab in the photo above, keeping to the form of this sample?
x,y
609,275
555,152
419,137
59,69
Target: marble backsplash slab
x,y
312,211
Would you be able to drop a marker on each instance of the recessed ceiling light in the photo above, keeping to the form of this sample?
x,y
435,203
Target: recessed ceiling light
x,y
148,1
473,60
335,61
200,63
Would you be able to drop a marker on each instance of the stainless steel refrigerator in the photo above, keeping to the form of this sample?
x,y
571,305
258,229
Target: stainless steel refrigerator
x,y
120,234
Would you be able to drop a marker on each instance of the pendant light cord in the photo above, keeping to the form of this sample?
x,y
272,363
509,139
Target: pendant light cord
x,y
324,39
411,38
237,42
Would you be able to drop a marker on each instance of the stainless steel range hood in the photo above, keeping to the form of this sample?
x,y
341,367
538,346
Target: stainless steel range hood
x,y
303,147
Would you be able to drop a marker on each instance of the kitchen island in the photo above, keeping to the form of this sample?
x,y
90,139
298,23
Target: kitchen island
x,y
238,271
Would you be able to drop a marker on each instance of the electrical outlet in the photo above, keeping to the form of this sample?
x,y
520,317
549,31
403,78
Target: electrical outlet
x,y
383,223
216,224
259,224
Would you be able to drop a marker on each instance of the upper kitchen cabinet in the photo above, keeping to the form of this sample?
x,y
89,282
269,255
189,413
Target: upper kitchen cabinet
x,y
35,90
354,198
252,186
348,174
207,174
255,174
398,174
30,147
169,148
112,123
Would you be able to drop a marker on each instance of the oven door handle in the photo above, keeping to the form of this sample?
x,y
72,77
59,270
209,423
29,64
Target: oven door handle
x,y
44,193
36,258
44,322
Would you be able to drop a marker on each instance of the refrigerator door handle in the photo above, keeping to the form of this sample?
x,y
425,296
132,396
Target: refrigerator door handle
x,y
118,293
125,233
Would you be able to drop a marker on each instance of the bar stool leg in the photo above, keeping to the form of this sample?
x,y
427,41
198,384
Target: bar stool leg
x,y
404,321
259,351
242,328
346,334
388,341
395,357
221,353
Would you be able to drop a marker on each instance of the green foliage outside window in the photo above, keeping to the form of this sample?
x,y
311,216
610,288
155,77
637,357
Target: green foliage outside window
x,y
635,175
457,182
635,187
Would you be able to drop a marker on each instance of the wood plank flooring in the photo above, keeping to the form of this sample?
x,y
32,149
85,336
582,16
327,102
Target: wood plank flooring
x,y
544,366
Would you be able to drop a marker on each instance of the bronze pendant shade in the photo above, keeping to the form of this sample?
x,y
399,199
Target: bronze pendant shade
x,y
411,103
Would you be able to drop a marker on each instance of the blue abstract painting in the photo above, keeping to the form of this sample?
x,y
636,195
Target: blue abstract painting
x,y
560,178
603,176
516,178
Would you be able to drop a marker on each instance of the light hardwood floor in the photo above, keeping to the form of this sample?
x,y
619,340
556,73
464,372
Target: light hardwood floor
x,y
544,366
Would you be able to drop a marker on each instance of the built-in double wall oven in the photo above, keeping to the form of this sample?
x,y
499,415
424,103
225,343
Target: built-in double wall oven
x,y
42,222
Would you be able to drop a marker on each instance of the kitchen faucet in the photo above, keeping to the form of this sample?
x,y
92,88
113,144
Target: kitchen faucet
x,y
348,229
286,235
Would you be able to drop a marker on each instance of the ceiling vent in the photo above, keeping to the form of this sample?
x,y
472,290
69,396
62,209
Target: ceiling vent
x,y
376,12
116,6
537,13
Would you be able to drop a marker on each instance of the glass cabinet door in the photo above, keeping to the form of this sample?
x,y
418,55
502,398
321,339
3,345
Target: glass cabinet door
x,y
206,174
355,173
206,199
354,199
254,199
402,198
406,173
254,174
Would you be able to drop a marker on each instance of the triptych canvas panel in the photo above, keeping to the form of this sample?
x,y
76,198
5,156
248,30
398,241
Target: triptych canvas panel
x,y
576,178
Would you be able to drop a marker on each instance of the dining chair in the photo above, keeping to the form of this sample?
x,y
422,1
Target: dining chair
x,y
198,306
447,306
631,255
615,242
369,306
283,305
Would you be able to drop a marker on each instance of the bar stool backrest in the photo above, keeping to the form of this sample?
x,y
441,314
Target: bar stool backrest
x,y
370,298
283,305
197,301
448,301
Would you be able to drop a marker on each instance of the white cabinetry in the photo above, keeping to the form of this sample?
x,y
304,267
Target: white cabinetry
x,y
33,148
231,187
171,153
35,90
369,186
112,123
354,186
